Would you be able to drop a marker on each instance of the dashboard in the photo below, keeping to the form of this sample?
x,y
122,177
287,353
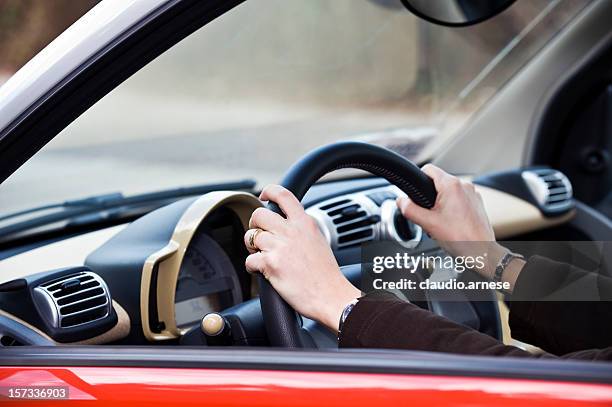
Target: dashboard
x,y
161,273
208,280
202,286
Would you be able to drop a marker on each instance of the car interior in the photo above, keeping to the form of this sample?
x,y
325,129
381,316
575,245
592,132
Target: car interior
x,y
147,270
152,280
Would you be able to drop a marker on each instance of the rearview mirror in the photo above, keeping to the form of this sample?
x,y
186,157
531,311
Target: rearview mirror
x,y
456,13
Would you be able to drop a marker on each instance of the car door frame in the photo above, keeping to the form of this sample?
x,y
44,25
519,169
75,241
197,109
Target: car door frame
x,y
98,72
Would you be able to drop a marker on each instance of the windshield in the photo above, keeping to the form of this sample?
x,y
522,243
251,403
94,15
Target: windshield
x,y
249,93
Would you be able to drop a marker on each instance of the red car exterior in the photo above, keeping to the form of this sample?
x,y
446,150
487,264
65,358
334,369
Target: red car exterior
x,y
123,386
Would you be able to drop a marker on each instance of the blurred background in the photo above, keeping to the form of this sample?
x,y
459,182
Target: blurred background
x,y
27,26
249,93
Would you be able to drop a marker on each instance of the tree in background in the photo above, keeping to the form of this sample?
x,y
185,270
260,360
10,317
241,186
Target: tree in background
x,y
27,26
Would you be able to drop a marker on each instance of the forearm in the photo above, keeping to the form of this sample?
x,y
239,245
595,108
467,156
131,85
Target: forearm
x,y
381,320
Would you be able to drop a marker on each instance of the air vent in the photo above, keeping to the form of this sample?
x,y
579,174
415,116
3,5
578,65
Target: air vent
x,y
73,300
550,188
352,223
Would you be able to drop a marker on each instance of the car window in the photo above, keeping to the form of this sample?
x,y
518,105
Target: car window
x,y
249,93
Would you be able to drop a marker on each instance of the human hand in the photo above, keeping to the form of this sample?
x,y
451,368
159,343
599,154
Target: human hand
x,y
458,213
458,220
295,257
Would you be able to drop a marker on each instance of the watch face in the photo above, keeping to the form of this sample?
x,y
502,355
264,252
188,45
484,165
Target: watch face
x,y
347,310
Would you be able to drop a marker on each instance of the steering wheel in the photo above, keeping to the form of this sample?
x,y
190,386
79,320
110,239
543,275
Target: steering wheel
x,y
283,324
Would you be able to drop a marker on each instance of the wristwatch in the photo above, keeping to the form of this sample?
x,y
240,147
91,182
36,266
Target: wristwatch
x,y
345,313
503,263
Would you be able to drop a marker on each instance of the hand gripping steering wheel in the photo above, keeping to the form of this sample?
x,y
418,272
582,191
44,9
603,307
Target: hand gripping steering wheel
x,y
283,324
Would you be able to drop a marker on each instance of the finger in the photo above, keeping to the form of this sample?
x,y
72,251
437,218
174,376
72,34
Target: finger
x,y
255,262
439,176
266,219
447,184
262,240
414,212
433,171
288,203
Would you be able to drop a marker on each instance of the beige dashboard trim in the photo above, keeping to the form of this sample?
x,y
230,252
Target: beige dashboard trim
x,y
511,216
119,331
64,253
168,260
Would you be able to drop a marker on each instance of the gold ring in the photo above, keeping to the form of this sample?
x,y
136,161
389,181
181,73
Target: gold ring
x,y
252,238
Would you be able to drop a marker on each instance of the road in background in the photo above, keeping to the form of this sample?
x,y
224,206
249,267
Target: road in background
x,y
106,160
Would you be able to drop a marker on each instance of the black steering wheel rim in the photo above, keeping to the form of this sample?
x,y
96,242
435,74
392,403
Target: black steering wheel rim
x,y
283,324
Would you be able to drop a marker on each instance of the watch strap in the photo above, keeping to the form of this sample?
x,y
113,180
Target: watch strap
x,y
503,263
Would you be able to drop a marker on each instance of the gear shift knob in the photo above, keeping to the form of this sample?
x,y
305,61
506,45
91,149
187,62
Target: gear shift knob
x,y
216,329
213,324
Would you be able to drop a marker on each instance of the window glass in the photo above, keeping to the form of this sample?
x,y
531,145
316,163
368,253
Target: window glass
x,y
249,93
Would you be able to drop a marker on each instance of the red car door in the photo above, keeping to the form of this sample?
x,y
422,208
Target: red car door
x,y
237,377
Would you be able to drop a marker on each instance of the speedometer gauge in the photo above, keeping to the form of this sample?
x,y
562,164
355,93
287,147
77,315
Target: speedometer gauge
x,y
207,281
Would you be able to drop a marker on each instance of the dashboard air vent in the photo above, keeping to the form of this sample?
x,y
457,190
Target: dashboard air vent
x,y
550,188
73,300
353,224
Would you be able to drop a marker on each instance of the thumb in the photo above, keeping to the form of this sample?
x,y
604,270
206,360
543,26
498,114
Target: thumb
x,y
414,212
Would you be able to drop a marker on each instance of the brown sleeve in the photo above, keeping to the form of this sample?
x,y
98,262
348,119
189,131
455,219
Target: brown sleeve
x,y
381,320
559,327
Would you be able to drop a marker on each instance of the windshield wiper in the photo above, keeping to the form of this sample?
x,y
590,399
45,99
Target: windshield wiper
x,y
105,207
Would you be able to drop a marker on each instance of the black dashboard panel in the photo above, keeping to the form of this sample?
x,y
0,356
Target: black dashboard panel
x,y
331,189
120,260
175,264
